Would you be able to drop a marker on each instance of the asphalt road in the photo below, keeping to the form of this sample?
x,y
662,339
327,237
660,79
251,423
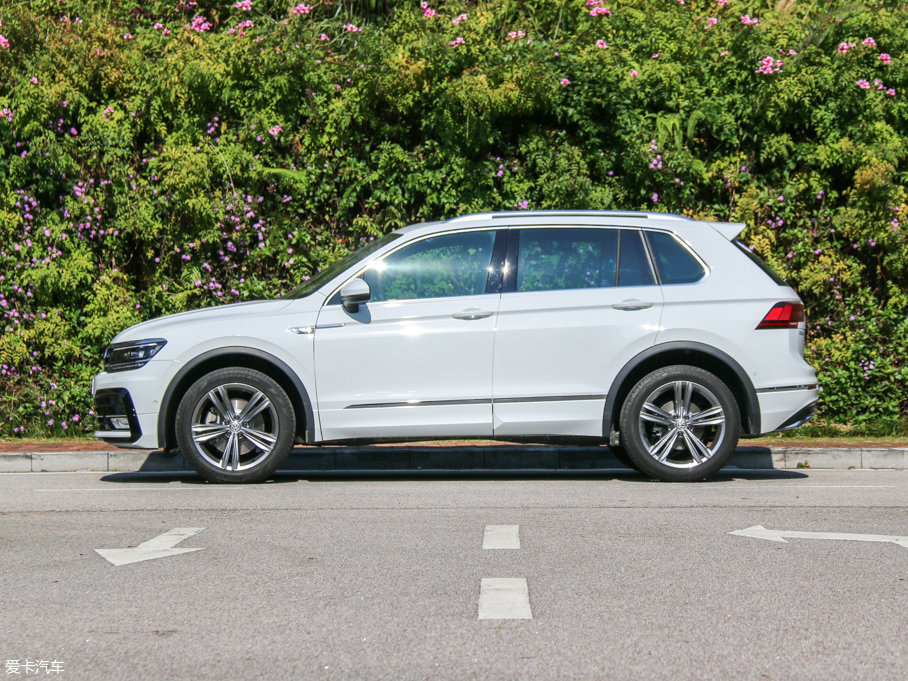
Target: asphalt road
x,y
379,577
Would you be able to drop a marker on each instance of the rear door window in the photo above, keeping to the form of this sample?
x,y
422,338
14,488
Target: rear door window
x,y
634,268
566,258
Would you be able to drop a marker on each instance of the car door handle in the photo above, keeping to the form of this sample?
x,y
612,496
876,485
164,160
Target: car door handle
x,y
632,304
472,313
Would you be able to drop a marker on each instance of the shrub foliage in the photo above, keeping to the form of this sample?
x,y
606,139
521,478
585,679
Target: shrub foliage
x,y
159,156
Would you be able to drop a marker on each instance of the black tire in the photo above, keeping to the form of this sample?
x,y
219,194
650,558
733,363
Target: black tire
x,y
661,428
221,446
620,453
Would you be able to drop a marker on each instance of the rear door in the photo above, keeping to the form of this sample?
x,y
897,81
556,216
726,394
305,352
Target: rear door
x,y
578,303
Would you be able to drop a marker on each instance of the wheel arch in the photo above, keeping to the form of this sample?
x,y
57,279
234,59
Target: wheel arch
x,y
235,356
693,354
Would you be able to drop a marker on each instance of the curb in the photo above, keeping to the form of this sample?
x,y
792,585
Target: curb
x,y
458,458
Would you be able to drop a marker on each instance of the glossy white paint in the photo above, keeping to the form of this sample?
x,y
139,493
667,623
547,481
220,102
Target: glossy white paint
x,y
565,344
444,372
412,353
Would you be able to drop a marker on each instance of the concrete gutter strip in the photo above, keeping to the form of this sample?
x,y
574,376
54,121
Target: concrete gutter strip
x,y
461,458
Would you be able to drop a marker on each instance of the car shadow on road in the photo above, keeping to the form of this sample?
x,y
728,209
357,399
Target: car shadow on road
x,y
461,462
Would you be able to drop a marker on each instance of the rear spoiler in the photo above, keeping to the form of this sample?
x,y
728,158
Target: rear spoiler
x,y
728,229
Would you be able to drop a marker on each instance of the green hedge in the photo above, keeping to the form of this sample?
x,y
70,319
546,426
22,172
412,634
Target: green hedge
x,y
161,156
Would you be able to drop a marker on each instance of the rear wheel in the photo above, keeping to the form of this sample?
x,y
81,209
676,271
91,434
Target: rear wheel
x,y
620,453
680,423
235,425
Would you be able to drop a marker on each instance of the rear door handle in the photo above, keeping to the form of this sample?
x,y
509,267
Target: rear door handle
x,y
472,313
632,304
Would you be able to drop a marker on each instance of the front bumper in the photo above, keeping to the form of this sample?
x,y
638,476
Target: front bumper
x,y
134,396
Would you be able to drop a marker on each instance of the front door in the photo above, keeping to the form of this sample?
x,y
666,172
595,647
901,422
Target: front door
x,y
416,360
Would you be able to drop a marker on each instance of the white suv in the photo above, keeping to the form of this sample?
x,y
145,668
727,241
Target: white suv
x,y
663,336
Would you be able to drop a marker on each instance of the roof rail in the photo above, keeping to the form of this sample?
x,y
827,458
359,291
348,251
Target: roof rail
x,y
499,215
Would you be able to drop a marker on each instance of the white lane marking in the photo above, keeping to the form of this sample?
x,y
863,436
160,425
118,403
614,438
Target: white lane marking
x,y
140,489
504,598
501,537
760,532
158,547
759,486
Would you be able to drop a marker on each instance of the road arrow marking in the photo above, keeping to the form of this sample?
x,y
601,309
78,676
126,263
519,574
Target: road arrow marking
x,y
760,532
159,547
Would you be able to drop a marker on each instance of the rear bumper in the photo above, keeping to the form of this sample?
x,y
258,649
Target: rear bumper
x,y
786,407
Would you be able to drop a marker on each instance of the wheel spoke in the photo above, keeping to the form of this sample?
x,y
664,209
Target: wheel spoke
x,y
684,391
654,414
678,401
663,447
261,439
699,451
231,457
220,400
255,406
708,417
202,432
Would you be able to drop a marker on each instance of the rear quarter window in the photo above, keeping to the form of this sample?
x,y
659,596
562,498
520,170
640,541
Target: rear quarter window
x,y
674,263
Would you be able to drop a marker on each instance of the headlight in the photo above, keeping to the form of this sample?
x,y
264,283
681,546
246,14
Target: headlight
x,y
132,354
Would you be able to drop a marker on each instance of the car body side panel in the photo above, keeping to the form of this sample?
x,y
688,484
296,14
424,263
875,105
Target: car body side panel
x,y
567,345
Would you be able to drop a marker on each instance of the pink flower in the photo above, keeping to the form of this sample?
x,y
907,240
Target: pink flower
x,y
634,73
427,11
33,80
565,81
768,65
712,21
655,198
890,92
601,44
199,24
600,11
658,54
722,3
747,21
275,130
324,36
513,35
127,36
869,42
243,5
844,47
456,42
460,17
302,9
885,58
863,84
352,28
3,41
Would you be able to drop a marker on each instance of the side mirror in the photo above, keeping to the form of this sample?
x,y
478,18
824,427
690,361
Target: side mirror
x,y
354,294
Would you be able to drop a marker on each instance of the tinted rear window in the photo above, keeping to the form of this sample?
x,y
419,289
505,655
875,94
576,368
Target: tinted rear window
x,y
759,262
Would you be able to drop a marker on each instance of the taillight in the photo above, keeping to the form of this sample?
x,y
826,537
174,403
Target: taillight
x,y
783,316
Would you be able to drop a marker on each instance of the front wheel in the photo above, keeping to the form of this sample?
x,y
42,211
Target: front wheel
x,y
680,423
235,425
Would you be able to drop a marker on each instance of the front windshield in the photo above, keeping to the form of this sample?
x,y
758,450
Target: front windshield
x,y
321,278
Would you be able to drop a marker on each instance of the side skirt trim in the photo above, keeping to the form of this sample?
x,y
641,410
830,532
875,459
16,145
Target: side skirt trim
x,y
497,400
